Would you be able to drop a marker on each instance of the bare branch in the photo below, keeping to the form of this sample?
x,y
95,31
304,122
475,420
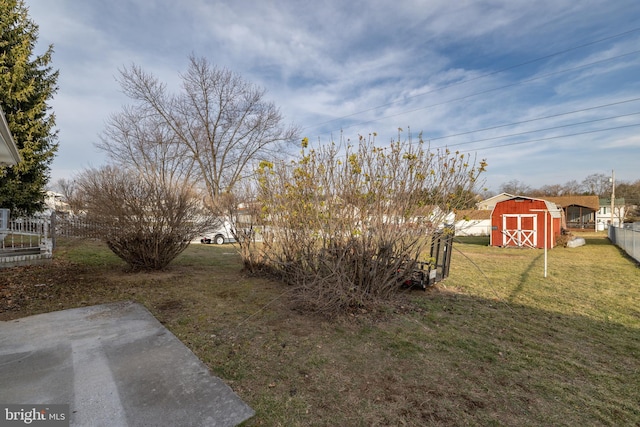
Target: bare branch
x,y
221,123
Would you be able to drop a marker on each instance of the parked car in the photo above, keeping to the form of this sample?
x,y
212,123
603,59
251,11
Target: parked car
x,y
220,235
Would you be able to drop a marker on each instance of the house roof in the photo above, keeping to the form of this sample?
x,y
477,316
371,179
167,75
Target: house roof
x,y
490,202
590,202
9,154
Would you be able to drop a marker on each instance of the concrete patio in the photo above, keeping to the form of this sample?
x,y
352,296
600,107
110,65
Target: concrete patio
x,y
115,365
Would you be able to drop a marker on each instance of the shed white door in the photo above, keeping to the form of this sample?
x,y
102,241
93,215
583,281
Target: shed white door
x,y
520,230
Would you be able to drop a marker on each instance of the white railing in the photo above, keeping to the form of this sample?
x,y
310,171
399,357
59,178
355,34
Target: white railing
x,y
26,236
628,239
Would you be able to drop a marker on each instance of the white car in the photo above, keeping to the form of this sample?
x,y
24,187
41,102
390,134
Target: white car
x,y
220,235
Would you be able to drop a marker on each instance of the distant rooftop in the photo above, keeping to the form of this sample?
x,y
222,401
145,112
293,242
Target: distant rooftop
x,y
590,202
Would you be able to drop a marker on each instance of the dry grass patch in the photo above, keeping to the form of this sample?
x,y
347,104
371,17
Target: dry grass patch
x,y
500,346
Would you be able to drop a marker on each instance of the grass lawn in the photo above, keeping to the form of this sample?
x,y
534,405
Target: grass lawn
x,y
495,344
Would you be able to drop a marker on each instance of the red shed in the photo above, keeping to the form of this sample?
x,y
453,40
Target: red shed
x,y
522,221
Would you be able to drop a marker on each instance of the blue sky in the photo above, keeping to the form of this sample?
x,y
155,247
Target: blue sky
x,y
547,91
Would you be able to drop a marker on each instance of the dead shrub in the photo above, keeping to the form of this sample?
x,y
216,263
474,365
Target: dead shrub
x,y
563,239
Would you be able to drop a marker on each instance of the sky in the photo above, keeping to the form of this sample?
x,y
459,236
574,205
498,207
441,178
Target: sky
x,y
547,91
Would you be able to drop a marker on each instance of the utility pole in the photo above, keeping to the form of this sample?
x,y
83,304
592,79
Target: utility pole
x,y
546,214
613,193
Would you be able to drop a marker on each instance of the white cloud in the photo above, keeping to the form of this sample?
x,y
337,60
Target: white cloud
x,y
366,66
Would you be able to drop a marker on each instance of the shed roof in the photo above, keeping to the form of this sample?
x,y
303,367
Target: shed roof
x,y
554,210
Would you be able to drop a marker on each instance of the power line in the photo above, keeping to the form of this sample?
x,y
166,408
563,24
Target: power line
x,y
536,119
555,137
551,55
543,129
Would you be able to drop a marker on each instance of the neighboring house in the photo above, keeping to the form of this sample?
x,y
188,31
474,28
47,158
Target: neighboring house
x,y
473,222
477,222
580,211
433,214
55,202
526,222
489,204
23,241
603,216
9,154
428,214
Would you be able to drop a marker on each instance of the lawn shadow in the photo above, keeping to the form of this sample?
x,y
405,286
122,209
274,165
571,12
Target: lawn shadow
x,y
524,278
597,241
472,240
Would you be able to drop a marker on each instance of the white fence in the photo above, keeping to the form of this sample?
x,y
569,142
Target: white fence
x,y
628,239
68,225
473,227
25,240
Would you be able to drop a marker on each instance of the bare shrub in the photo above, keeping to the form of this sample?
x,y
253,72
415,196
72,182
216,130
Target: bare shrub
x,y
242,212
144,221
345,222
563,239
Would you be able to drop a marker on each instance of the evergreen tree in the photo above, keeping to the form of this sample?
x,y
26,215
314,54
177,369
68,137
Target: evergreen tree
x,y
27,82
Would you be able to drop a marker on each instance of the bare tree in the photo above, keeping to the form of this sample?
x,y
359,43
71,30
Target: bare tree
x,y
70,193
547,191
597,184
219,125
571,188
136,140
515,188
630,192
